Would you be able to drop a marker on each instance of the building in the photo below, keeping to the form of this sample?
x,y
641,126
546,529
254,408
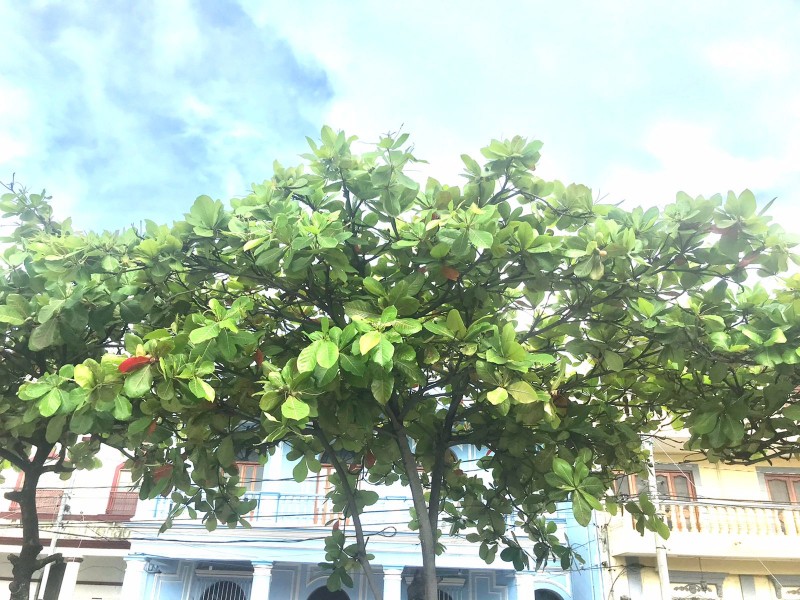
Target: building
x,y
735,531
83,516
278,557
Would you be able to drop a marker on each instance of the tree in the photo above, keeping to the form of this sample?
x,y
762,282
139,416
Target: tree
x,y
341,309
66,300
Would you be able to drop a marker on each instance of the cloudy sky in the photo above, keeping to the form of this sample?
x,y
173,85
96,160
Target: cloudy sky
x,y
128,110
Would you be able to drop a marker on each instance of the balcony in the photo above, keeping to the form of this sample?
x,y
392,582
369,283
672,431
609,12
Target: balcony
x,y
275,509
706,529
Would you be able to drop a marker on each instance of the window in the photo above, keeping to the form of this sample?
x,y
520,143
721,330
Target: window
x,y
250,475
671,485
783,488
324,593
675,485
224,590
124,495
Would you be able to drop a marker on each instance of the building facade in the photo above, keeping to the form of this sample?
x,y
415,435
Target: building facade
x,y
278,557
113,550
734,531
83,518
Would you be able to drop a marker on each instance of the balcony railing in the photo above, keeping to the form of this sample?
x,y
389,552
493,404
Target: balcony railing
x,y
280,510
276,509
732,519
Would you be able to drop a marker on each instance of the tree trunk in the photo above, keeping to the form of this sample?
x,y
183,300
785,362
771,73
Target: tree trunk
x,y
427,536
26,563
377,591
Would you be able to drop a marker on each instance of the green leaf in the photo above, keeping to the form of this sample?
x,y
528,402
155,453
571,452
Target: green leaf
x,y
613,361
84,376
388,315
51,402
352,365
55,427
661,528
12,315
368,341
480,239
581,509
522,392
438,329
307,359
563,470
327,354
225,453
542,359
295,409
752,334
374,287
384,352
44,336
201,389
792,412
138,383
407,326
203,334
382,388
497,396
122,408
300,471
704,423
456,324
34,390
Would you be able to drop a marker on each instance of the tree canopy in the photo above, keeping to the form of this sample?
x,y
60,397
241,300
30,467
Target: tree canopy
x,y
341,306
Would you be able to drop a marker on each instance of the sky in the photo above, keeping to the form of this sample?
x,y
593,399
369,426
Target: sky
x,y
127,111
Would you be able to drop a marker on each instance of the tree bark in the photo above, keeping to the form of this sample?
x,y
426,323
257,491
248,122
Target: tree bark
x,y
377,591
27,562
427,536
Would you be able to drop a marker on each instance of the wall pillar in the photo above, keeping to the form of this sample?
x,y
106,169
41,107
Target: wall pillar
x,y
262,579
70,579
392,583
133,582
525,582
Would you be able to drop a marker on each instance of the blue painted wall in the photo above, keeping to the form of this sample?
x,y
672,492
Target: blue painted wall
x,y
285,533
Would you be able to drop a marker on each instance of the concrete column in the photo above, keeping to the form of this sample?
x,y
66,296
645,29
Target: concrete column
x,y
525,582
262,579
70,580
392,583
133,582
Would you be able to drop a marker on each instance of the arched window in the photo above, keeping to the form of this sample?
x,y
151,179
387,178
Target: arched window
x,y
324,593
223,590
546,595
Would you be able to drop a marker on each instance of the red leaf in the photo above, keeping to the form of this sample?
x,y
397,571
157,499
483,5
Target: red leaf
x,y
152,427
259,357
450,273
336,526
162,472
133,363
369,460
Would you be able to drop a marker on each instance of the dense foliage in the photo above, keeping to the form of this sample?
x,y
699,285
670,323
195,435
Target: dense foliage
x,y
342,309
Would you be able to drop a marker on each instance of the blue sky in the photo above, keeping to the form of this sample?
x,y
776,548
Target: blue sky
x,y
127,111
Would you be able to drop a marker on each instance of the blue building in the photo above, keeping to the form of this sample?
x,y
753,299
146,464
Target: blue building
x,y
278,557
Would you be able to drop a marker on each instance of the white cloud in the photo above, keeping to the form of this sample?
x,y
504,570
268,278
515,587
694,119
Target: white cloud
x,y
750,58
129,113
638,101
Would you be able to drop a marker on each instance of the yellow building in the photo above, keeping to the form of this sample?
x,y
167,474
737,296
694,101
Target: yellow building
x,y
735,531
